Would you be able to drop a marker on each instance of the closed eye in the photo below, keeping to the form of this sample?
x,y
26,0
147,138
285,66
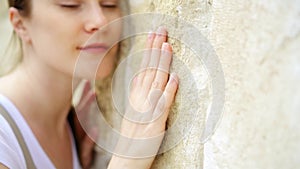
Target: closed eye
x,y
72,6
109,5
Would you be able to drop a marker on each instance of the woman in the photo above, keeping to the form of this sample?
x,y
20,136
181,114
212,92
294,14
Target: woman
x,y
38,92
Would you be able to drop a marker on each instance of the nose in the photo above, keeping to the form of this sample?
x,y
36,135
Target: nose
x,y
95,19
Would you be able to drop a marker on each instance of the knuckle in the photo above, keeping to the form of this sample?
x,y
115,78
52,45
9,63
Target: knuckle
x,y
161,107
149,77
157,85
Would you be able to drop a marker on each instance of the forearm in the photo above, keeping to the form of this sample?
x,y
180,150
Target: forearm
x,y
135,153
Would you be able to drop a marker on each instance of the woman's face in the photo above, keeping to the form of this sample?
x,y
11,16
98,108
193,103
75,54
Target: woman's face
x,y
61,30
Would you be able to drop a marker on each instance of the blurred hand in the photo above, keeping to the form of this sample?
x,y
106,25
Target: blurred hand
x,y
85,140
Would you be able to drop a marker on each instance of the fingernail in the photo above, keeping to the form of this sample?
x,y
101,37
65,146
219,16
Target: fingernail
x,y
93,94
162,31
87,82
165,46
150,35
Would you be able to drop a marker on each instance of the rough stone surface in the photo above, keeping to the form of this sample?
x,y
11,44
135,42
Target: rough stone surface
x,y
257,43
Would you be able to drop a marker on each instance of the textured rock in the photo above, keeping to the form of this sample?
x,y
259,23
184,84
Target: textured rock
x,y
257,43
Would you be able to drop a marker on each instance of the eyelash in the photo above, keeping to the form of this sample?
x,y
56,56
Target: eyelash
x,y
109,5
75,6
71,6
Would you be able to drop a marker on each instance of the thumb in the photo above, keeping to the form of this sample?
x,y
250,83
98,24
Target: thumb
x,y
87,145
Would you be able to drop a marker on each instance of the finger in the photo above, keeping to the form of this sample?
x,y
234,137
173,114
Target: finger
x,y
160,38
87,147
166,100
161,77
83,107
162,73
146,58
148,47
82,112
86,89
79,131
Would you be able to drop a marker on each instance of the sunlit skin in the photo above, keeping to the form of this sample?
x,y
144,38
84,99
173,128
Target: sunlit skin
x,y
58,30
52,39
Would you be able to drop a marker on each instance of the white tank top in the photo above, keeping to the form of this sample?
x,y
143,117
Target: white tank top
x,y
11,154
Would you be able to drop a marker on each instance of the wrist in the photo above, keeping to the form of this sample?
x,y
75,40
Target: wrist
x,y
117,162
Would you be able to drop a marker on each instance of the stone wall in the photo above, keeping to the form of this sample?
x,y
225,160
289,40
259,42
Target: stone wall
x,y
257,43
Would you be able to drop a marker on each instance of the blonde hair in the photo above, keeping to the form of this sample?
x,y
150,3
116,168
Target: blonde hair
x,y
12,55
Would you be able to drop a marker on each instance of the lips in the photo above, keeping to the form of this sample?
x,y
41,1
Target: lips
x,y
95,48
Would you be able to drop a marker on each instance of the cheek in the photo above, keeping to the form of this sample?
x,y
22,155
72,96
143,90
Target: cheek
x,y
53,40
114,24
115,32
45,39
53,28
